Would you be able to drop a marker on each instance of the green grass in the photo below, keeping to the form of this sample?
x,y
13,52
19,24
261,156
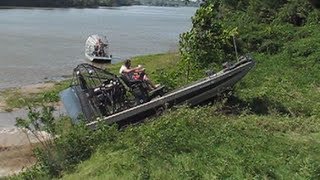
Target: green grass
x,y
268,129
288,81
17,98
194,144
275,136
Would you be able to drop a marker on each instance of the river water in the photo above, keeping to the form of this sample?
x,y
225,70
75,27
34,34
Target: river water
x,y
37,45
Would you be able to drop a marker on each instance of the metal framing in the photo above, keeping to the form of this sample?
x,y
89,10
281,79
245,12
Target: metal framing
x,y
192,94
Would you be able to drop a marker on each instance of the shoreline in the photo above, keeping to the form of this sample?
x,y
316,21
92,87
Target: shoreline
x,y
16,145
13,138
16,150
8,114
24,90
16,159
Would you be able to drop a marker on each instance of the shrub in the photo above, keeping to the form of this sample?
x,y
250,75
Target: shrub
x,y
66,145
208,41
295,12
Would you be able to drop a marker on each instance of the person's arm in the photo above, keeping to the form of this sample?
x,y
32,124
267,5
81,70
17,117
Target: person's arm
x,y
139,69
126,70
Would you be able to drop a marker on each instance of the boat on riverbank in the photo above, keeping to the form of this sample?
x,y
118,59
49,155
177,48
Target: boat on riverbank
x,y
98,94
97,49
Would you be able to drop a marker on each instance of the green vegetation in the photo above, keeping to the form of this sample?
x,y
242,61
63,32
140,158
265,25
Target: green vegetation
x,y
188,143
191,143
269,128
22,97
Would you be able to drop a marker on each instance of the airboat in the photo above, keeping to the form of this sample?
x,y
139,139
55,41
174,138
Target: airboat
x,y
97,49
98,95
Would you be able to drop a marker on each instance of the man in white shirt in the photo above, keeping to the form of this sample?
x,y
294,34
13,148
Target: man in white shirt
x,y
136,73
126,68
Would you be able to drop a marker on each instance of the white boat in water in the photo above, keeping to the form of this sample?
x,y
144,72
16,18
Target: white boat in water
x,y
97,48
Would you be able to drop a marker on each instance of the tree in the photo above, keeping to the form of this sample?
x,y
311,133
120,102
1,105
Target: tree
x,y
208,42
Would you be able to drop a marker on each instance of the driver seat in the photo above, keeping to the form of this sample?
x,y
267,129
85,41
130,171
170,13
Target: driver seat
x,y
129,81
137,87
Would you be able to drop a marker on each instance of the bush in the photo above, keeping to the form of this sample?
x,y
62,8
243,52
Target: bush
x,y
295,12
67,144
208,42
201,143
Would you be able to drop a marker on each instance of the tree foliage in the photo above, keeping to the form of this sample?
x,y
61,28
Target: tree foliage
x,y
259,26
208,41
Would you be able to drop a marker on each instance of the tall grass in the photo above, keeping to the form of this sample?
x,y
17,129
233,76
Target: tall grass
x,y
269,128
192,144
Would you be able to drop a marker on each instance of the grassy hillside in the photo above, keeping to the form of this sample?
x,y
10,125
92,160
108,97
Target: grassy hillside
x,y
268,128
199,143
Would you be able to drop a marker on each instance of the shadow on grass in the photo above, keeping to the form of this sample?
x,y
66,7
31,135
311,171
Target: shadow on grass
x,y
236,106
257,105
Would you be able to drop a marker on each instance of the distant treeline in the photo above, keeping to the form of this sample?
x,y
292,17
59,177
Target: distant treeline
x,y
67,3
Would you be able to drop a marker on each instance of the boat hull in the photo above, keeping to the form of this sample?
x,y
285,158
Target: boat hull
x,y
107,59
192,94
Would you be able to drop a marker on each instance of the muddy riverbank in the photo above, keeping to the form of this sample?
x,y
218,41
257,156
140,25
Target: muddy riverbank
x,y
16,144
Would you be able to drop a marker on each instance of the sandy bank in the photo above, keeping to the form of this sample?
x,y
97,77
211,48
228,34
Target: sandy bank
x,y
16,149
15,159
16,144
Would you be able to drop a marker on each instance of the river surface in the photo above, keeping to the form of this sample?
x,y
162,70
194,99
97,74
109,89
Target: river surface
x,y
37,45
